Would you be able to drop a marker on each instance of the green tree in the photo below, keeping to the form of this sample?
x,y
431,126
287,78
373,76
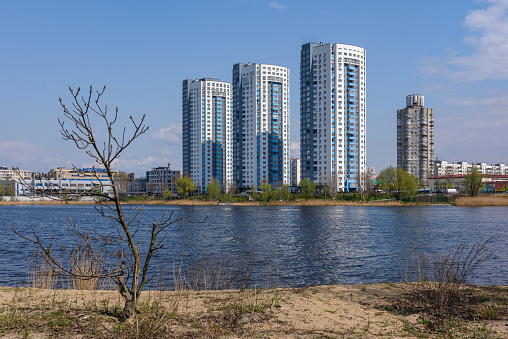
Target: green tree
x,y
167,194
2,191
473,181
185,185
308,187
266,189
10,190
396,181
212,190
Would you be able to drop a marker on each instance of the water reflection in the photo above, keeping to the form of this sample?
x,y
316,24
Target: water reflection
x,y
311,245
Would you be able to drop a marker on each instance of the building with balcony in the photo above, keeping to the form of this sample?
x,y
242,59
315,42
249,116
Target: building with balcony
x,y
415,139
62,181
206,132
14,174
443,168
333,115
261,125
296,172
159,179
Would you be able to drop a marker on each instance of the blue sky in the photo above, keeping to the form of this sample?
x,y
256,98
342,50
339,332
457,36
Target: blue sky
x,y
454,52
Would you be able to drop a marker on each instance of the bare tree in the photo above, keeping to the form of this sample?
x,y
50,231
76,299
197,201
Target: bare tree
x,y
130,272
366,184
231,189
122,184
333,185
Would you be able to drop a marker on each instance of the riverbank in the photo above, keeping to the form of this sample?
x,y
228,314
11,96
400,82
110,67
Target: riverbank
x,y
189,202
352,311
490,200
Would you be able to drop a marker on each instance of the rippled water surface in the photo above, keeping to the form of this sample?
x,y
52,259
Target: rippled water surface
x,y
308,245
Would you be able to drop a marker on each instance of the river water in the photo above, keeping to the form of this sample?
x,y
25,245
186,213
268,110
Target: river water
x,y
297,245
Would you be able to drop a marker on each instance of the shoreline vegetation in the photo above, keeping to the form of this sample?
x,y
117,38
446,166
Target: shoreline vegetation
x,y
335,311
479,201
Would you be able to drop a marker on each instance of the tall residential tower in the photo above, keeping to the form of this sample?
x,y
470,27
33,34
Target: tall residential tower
x,y
261,125
415,138
333,115
206,132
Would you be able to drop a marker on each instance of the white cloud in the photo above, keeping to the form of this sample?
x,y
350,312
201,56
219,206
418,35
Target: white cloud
x,y
130,165
166,151
295,149
169,134
489,36
13,148
276,5
20,153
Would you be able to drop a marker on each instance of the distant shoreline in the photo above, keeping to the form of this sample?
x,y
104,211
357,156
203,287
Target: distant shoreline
x,y
497,200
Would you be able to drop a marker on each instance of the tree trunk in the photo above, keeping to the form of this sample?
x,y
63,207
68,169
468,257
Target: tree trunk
x,y
129,309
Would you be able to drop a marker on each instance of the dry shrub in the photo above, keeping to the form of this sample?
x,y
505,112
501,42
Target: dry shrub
x,y
443,276
486,312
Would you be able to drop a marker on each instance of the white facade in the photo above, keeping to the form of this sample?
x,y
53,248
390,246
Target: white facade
x,y
296,173
14,174
261,126
206,136
442,167
333,114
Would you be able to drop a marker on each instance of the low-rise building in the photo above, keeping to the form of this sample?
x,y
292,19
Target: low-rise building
x,y
14,174
491,183
160,179
137,186
442,167
63,181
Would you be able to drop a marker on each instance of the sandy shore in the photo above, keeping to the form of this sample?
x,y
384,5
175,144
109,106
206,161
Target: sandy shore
x,y
336,311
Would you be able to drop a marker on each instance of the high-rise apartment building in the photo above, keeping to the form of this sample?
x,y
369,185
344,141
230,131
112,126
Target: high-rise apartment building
x,y
206,132
415,138
333,114
296,171
261,124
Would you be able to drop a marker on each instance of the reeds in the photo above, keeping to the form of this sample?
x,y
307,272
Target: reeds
x,y
40,273
490,200
82,270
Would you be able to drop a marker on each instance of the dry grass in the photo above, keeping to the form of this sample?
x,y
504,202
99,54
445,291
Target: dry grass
x,y
339,311
40,274
486,200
